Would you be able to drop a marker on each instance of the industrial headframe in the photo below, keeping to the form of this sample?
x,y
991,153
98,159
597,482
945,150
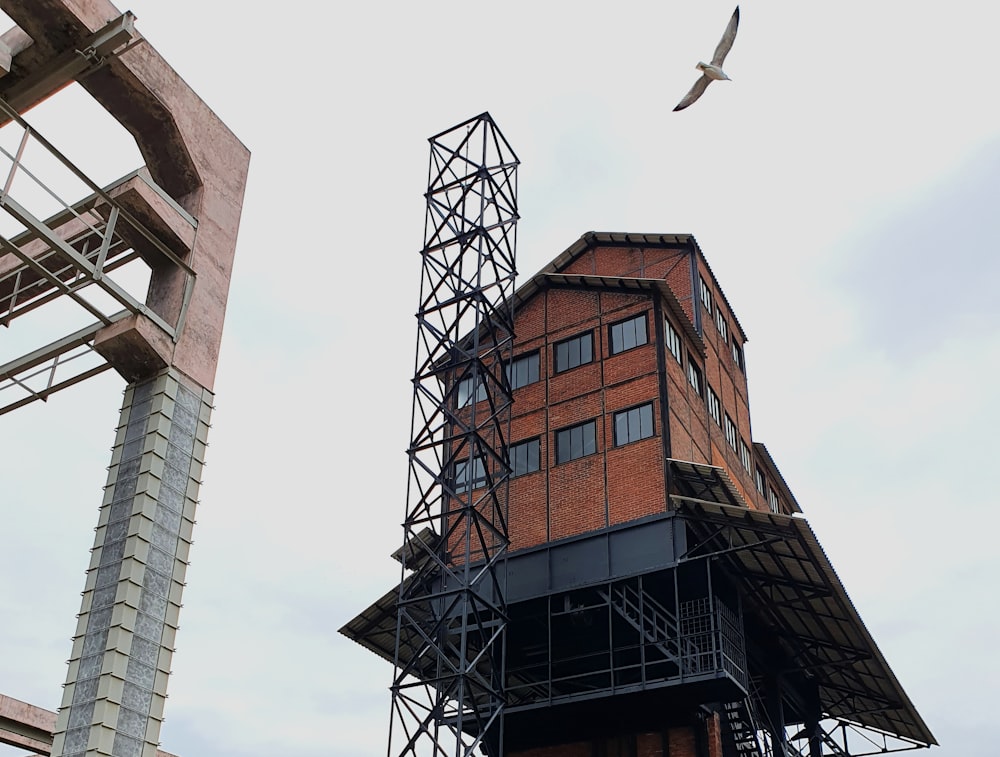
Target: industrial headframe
x,y
625,573
71,254
447,691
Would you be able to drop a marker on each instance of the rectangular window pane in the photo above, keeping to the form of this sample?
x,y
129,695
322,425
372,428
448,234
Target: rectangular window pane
x,y
465,391
720,321
621,428
575,442
694,376
737,355
645,421
731,434
524,457
714,408
706,295
673,341
628,334
467,477
524,371
573,352
632,425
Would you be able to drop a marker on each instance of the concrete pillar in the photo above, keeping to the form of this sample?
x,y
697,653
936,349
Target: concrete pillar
x,y
117,680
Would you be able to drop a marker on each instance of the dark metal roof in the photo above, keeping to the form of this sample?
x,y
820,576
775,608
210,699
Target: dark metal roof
x,y
792,584
697,481
375,627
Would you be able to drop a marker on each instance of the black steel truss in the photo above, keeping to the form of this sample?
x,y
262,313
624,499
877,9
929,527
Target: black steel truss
x,y
861,709
447,690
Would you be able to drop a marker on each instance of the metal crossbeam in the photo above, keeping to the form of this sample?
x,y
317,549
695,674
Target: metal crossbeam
x,y
53,365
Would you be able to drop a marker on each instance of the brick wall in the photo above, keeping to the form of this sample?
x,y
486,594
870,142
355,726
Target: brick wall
x,y
618,484
728,380
589,493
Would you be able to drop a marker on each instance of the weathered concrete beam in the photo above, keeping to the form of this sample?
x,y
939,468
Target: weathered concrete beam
x,y
189,152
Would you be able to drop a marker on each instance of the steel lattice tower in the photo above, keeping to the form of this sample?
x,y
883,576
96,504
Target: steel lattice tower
x,y
447,690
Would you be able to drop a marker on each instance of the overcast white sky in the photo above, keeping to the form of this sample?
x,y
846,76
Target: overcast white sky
x,y
843,187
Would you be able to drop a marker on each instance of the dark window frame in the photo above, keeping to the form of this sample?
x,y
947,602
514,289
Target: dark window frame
x,y
469,398
731,431
721,324
462,483
760,480
673,339
635,421
714,406
746,458
613,348
695,377
515,453
738,356
705,293
566,343
521,359
564,439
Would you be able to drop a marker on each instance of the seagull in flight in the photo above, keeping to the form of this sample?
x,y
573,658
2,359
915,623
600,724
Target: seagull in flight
x,y
713,70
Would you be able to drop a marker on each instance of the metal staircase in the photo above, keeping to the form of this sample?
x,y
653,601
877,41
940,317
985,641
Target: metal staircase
x,y
656,623
740,725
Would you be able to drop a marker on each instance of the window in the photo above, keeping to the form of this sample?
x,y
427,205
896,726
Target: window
x,y
759,480
467,478
772,500
524,457
714,408
633,425
720,321
745,456
465,391
737,355
694,376
524,370
706,295
673,341
575,442
628,334
731,434
573,352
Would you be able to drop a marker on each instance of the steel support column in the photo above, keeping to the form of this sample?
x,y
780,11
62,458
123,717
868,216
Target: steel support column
x,y
776,713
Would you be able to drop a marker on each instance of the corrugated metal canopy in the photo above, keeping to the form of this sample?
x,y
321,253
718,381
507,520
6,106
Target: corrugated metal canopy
x,y
792,585
375,627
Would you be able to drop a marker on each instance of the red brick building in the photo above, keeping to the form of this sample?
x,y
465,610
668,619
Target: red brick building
x,y
665,596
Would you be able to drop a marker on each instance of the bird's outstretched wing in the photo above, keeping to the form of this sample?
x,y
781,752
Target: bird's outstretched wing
x,y
695,92
727,39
